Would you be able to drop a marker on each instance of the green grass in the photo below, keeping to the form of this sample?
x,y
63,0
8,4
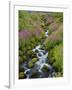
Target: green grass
x,y
56,57
28,20
55,38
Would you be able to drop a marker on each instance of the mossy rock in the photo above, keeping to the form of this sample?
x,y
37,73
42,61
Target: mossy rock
x,y
31,53
30,64
45,69
22,75
34,60
35,75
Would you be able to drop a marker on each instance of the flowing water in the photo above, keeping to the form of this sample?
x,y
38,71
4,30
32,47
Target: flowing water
x,y
42,55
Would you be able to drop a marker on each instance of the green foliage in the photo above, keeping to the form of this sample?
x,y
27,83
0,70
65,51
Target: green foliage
x,y
24,58
24,22
20,60
51,57
54,39
59,17
56,57
28,20
49,45
49,30
31,54
59,74
21,69
42,47
43,35
33,22
20,53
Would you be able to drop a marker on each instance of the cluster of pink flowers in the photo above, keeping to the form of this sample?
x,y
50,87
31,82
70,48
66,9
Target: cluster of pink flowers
x,y
24,34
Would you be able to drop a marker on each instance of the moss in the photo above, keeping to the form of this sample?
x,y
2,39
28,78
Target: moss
x,y
34,60
45,69
35,75
22,75
30,64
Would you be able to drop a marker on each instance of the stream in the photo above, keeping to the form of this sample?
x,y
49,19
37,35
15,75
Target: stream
x,y
40,64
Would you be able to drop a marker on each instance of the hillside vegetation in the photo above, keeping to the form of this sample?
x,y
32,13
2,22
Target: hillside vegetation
x,y
32,27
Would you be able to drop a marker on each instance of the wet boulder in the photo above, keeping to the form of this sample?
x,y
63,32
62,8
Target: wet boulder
x,y
36,51
45,69
44,52
39,54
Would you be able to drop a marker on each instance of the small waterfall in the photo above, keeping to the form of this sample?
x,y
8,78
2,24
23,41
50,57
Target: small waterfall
x,y
46,33
42,56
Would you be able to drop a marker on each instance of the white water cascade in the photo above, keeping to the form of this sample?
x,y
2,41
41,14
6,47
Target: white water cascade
x,y
42,57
